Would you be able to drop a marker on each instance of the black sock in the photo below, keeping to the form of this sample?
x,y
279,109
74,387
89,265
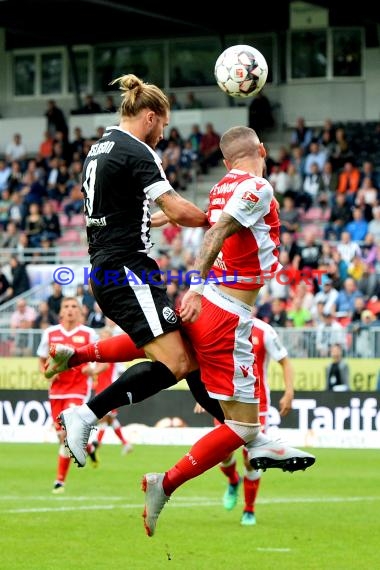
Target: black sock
x,y
201,396
137,383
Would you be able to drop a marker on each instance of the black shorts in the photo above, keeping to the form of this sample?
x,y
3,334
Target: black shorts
x,y
131,292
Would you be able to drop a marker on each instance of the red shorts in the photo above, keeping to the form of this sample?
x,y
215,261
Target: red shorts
x,y
221,338
57,406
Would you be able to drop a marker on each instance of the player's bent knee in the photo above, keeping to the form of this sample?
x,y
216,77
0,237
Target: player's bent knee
x,y
247,432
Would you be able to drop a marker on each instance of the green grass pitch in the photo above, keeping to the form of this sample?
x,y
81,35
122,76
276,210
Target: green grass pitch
x,y
326,518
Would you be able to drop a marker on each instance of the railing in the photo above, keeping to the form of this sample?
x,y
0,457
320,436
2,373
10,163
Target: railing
x,y
55,255
301,343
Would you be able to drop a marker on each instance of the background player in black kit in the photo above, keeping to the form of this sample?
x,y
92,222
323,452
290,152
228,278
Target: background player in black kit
x,y
122,174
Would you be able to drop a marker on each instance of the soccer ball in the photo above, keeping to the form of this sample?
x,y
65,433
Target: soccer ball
x,y
241,71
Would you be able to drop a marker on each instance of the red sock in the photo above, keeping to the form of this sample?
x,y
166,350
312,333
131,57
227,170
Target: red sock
x,y
100,435
63,467
120,435
231,472
207,452
251,489
118,348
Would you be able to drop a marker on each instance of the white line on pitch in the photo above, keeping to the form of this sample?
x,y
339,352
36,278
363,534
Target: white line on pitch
x,y
177,503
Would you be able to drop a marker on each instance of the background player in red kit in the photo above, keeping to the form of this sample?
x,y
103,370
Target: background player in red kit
x,y
71,387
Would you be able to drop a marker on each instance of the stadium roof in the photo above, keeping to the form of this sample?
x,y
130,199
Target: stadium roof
x,y
33,23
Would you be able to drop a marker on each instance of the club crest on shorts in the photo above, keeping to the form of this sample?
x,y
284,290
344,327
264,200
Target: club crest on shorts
x,y
169,315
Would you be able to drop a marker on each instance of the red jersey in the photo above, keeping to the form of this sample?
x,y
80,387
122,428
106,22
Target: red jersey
x,y
71,383
266,345
251,254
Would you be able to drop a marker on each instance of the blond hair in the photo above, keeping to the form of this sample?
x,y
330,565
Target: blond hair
x,y
137,95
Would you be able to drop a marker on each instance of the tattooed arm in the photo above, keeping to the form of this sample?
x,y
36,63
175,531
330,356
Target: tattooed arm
x,y
180,210
211,246
213,241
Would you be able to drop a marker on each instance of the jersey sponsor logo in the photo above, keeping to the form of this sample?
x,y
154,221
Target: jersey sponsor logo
x,y
169,315
250,197
79,338
255,340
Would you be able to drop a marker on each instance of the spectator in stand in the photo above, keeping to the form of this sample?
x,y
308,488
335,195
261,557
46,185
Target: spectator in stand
x,y
314,156
301,135
339,217
300,316
77,143
96,318
369,282
369,250
368,170
175,105
16,209
329,332
289,244
5,204
33,226
311,188
260,116
75,203
209,151
310,252
337,372
364,348
56,120
342,152
109,105
51,226
33,191
329,184
5,288
289,216
192,102
345,302
195,138
55,298
328,127
16,150
10,237
356,268
46,148
348,181
367,197
5,172
45,317
20,277
15,178
347,247
90,106
298,160
22,319
374,224
358,227
327,295
278,315
85,297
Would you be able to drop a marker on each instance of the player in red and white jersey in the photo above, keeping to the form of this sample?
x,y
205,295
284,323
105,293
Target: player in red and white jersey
x,y
249,256
267,345
69,388
102,375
